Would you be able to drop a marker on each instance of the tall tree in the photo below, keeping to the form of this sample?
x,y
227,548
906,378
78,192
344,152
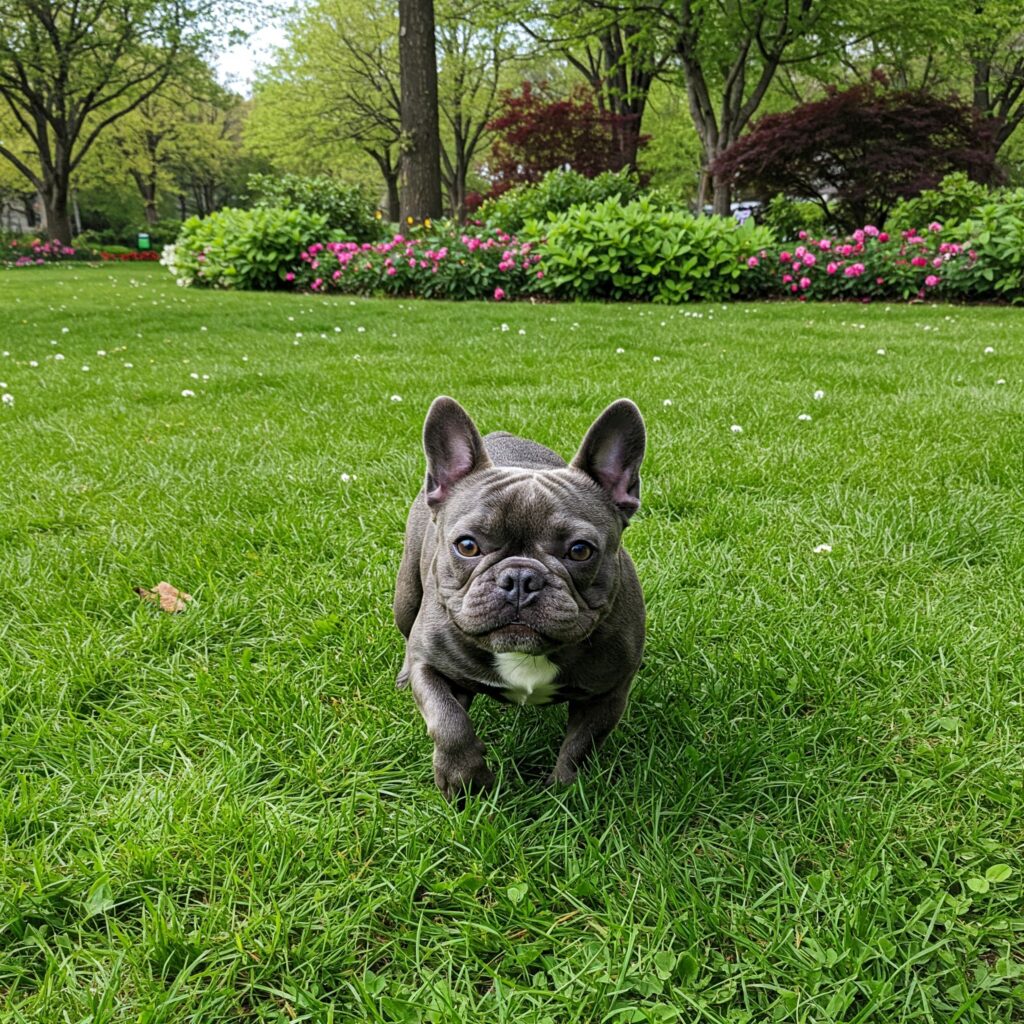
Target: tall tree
x,y
71,68
420,188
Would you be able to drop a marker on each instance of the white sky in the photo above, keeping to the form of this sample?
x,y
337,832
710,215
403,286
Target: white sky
x,y
237,66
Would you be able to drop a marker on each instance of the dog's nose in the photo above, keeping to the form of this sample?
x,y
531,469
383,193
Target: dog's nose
x,y
521,584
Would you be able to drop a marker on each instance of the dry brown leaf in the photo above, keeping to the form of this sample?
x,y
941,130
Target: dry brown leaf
x,y
169,598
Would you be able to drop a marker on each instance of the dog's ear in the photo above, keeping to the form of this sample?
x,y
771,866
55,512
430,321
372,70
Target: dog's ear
x,y
612,451
453,446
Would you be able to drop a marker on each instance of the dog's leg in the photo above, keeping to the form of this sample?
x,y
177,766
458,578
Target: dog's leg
x,y
588,727
458,754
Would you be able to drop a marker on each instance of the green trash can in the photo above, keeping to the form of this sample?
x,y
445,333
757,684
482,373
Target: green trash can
x,y
143,242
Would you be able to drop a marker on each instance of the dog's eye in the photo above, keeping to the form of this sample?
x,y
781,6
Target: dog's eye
x,y
580,551
467,547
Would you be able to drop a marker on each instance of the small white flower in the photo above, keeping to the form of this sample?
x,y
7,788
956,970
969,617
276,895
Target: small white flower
x,y
823,549
206,376
298,334
504,327
3,385
100,352
127,366
188,393
360,330
989,350
396,398
291,318
351,302
85,369
819,395
337,330
245,359
295,342
65,330
1000,381
804,417
194,376
32,362
619,351
522,330
7,399
880,352
736,428
57,357
667,402
345,478
657,359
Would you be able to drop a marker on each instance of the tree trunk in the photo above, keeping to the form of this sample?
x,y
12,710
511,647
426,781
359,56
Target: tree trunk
x,y
55,210
721,195
420,162
394,204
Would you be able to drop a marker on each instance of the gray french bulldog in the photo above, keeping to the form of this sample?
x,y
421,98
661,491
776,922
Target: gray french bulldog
x,y
514,583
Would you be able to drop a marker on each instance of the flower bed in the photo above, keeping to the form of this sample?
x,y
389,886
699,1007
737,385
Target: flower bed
x,y
139,256
443,266
869,264
35,252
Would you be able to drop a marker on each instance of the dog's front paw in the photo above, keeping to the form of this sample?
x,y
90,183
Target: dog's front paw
x,y
561,775
461,773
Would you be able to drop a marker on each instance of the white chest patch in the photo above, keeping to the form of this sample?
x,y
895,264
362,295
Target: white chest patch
x,y
528,678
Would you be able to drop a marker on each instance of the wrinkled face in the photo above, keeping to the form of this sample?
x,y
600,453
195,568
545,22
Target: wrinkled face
x,y
527,560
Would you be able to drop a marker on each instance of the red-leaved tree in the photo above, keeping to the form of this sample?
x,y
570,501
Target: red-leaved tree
x,y
537,133
858,151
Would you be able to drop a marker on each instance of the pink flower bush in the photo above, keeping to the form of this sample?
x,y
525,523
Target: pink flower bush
x,y
449,265
35,252
868,264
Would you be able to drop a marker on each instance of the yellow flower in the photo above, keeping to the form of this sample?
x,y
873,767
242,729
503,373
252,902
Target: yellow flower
x,y
378,214
410,220
426,223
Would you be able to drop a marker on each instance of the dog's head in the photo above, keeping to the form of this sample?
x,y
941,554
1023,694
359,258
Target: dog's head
x,y
528,559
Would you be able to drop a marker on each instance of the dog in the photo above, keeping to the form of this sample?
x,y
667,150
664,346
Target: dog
x,y
514,583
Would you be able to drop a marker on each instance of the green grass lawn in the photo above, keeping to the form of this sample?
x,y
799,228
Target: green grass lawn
x,y
811,812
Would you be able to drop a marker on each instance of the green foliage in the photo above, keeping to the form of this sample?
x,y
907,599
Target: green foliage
x,y
995,232
347,209
162,233
637,251
555,193
788,217
956,198
241,248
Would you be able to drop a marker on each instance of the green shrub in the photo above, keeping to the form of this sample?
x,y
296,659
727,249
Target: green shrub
x,y
955,199
555,193
638,251
242,248
349,211
995,233
788,217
